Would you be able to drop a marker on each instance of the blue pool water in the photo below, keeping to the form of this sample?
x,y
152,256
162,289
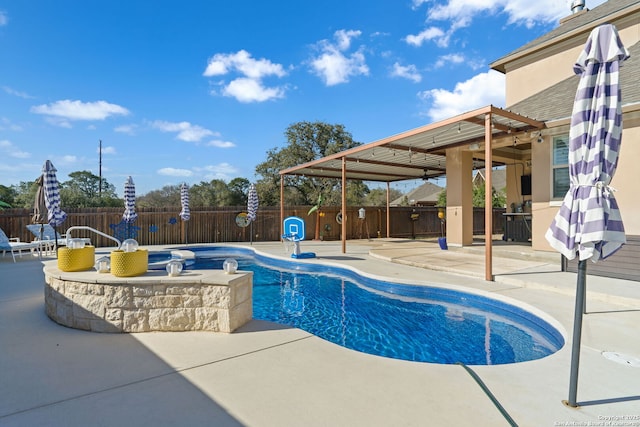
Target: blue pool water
x,y
417,323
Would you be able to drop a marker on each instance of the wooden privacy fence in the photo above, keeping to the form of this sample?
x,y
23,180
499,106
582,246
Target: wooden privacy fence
x,y
163,226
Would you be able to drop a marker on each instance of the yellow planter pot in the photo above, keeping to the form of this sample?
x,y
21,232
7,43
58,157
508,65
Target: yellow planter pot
x,y
128,264
76,259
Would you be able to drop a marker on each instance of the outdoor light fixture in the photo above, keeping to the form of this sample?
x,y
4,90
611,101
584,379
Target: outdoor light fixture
x,y
103,265
474,147
129,245
174,268
230,266
75,243
540,139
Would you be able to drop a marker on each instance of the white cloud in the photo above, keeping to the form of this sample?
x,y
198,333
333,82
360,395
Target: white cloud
x,y
127,129
243,63
432,33
250,86
4,20
185,130
107,150
61,112
223,171
408,72
12,151
480,90
69,158
343,38
527,12
460,13
452,58
221,144
17,93
6,124
251,90
175,172
333,65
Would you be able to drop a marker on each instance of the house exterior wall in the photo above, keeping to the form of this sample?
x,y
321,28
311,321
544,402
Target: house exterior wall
x,y
542,208
626,181
541,69
627,178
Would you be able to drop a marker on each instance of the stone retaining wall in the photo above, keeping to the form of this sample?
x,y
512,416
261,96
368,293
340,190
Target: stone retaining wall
x,y
202,300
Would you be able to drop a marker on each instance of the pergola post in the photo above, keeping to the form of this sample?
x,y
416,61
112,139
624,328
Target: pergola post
x,y
281,205
343,226
488,200
388,213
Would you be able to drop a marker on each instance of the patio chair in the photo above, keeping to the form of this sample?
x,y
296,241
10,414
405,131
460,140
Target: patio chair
x,y
15,245
46,235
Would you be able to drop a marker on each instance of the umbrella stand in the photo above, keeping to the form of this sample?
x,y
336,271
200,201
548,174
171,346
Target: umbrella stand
x,y
577,332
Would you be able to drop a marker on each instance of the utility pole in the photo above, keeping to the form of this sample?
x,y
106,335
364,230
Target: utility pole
x,y
100,169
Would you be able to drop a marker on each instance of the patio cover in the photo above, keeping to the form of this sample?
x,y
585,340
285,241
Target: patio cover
x,y
421,153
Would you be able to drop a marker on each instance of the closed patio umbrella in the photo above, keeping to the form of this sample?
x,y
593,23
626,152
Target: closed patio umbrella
x,y
130,214
51,187
185,213
589,224
40,207
252,208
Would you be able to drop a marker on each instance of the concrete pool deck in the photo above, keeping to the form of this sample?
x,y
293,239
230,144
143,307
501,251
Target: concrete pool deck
x,y
271,375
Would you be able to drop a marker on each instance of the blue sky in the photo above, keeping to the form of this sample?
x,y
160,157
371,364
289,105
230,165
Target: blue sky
x,y
198,90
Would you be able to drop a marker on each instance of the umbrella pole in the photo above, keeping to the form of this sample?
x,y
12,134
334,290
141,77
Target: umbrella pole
x,y
42,240
55,235
577,332
251,232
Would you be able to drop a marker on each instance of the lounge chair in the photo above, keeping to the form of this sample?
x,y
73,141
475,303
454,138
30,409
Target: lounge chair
x,y
15,245
46,234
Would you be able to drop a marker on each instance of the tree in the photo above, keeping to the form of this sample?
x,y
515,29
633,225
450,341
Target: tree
x,y
211,194
238,191
378,196
7,196
25,194
306,141
83,190
498,198
169,195
442,199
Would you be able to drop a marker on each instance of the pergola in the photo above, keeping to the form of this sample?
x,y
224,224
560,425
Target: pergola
x,y
492,133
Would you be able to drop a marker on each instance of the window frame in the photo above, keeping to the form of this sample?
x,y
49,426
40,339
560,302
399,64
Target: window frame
x,y
557,165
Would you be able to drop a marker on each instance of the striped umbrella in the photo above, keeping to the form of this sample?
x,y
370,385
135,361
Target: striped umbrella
x,y
51,188
589,224
185,213
252,208
130,214
252,203
55,214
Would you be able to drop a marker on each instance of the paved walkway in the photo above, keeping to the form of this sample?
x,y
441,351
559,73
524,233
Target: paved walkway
x,y
271,375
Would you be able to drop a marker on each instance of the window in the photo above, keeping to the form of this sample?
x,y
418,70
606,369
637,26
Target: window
x,y
560,167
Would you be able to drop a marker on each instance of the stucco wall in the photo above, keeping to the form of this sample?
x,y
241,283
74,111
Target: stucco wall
x,y
626,182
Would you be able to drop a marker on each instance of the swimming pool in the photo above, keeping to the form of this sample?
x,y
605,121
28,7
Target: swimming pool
x,y
409,322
